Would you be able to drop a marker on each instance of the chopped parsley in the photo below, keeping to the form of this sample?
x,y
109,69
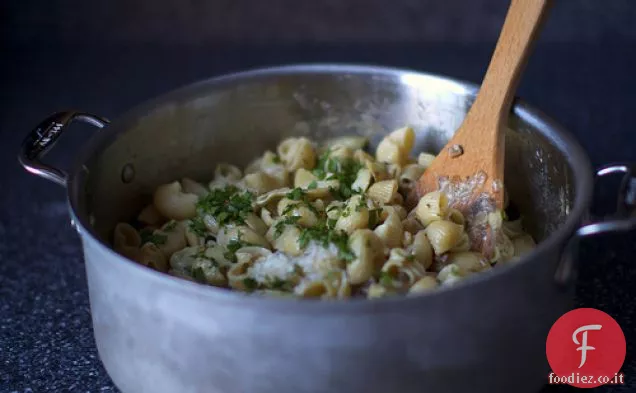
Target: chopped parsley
x,y
386,280
198,227
323,232
172,224
279,227
297,194
198,274
147,236
410,258
345,170
232,247
312,186
276,159
227,205
324,235
250,284
278,283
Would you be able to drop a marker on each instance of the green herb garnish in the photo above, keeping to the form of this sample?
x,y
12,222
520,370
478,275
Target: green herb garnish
x,y
232,247
325,236
312,186
345,170
227,205
276,159
297,194
197,226
279,227
250,284
277,283
198,274
386,280
170,226
148,236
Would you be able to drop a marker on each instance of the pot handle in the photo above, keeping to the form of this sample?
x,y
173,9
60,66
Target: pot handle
x,y
44,136
623,219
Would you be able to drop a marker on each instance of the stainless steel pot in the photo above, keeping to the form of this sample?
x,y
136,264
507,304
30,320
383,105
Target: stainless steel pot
x,y
159,334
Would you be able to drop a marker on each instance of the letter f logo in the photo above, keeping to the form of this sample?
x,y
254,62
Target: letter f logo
x,y
584,347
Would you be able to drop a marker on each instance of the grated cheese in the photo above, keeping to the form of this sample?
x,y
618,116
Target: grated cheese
x,y
315,263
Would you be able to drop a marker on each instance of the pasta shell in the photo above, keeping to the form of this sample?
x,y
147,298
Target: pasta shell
x,y
227,172
423,285
468,261
376,291
390,152
422,249
425,159
362,181
431,207
351,142
311,289
238,276
410,175
303,178
271,196
261,182
404,137
368,251
390,231
297,153
173,203
126,236
150,216
383,191
252,253
450,274
443,235
456,216
193,187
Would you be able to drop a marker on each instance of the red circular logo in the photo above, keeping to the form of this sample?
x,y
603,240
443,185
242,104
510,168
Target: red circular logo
x,y
585,348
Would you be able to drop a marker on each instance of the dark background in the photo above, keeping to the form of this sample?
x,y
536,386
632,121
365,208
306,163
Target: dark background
x,y
106,56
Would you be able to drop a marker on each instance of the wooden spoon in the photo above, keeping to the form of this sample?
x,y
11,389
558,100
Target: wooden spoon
x,y
470,168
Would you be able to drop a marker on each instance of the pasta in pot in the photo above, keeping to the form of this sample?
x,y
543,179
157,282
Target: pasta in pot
x,y
316,220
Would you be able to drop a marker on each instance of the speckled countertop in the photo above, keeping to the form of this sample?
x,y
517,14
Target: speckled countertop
x,y
46,342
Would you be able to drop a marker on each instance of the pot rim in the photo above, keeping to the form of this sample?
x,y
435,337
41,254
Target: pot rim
x,y
559,137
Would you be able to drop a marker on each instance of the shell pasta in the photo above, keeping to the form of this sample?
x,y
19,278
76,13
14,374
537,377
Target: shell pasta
x,y
315,220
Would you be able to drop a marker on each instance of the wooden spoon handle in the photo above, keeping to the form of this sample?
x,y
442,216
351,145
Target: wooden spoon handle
x,y
502,77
